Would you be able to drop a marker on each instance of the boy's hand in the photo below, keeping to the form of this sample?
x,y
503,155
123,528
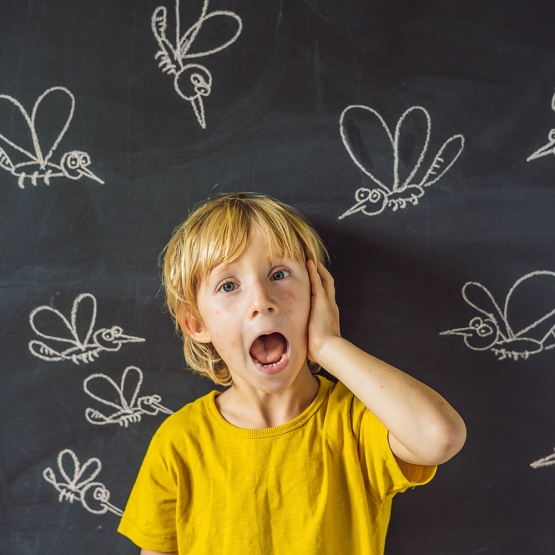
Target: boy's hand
x,y
423,428
323,322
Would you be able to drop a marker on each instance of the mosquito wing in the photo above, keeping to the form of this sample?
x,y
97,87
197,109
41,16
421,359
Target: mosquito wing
x,y
159,23
43,351
369,143
5,161
412,137
207,32
13,114
530,305
444,159
105,390
131,382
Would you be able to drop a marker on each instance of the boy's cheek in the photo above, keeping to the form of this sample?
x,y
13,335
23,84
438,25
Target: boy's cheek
x,y
227,346
291,299
298,302
224,353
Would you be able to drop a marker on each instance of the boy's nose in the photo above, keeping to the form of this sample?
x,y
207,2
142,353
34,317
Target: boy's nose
x,y
262,302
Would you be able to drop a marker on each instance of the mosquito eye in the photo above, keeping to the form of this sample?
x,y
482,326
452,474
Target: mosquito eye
x,y
552,135
375,195
85,159
73,161
228,287
107,334
281,274
484,331
476,322
197,79
362,194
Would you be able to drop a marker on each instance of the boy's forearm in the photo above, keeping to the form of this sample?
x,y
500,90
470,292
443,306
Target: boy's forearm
x,y
423,427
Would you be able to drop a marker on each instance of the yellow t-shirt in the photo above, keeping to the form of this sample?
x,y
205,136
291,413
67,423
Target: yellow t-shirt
x,y
320,484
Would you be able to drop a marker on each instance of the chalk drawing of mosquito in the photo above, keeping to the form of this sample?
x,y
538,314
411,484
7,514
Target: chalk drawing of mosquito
x,y
73,164
548,148
128,409
401,191
77,483
495,329
546,461
85,344
191,81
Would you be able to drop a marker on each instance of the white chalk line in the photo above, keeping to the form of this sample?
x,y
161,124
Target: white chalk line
x,y
398,194
85,344
549,147
545,461
77,483
73,164
129,410
493,331
191,81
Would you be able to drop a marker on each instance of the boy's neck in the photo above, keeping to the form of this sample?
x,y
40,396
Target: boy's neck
x,y
247,407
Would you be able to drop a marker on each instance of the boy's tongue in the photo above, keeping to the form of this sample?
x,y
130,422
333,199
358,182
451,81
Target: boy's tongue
x,y
268,349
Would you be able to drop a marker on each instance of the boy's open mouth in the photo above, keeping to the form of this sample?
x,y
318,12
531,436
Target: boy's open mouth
x,y
268,350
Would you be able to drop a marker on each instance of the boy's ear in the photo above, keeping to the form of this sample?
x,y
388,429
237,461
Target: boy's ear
x,y
192,327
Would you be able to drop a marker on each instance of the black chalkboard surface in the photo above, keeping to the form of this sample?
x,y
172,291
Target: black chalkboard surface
x,y
414,135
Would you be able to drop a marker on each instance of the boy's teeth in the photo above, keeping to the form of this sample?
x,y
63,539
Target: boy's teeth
x,y
272,364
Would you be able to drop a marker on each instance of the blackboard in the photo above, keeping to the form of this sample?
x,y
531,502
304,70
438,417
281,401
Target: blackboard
x,y
471,81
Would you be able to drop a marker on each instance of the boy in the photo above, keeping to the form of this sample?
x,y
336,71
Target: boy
x,y
284,461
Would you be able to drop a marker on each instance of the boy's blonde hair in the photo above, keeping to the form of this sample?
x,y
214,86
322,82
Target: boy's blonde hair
x,y
218,231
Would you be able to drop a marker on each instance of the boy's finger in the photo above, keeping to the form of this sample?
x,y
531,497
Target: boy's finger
x,y
315,279
327,281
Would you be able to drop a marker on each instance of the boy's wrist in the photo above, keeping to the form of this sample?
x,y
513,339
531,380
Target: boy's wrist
x,y
328,353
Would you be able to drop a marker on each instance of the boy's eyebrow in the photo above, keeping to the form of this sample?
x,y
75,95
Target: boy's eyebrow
x,y
217,270
225,267
217,273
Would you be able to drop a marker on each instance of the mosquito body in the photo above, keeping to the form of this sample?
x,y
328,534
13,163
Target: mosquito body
x,y
192,81
77,483
37,165
128,407
493,331
83,344
104,339
401,192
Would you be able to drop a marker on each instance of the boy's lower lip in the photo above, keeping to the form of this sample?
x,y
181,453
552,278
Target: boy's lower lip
x,y
273,368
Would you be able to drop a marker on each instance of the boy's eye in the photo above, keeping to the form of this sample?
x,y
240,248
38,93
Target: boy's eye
x,y
228,287
281,274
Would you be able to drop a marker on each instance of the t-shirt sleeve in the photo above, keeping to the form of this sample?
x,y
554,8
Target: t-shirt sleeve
x,y
149,519
384,477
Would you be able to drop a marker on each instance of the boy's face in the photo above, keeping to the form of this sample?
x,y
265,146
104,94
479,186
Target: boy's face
x,y
255,312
